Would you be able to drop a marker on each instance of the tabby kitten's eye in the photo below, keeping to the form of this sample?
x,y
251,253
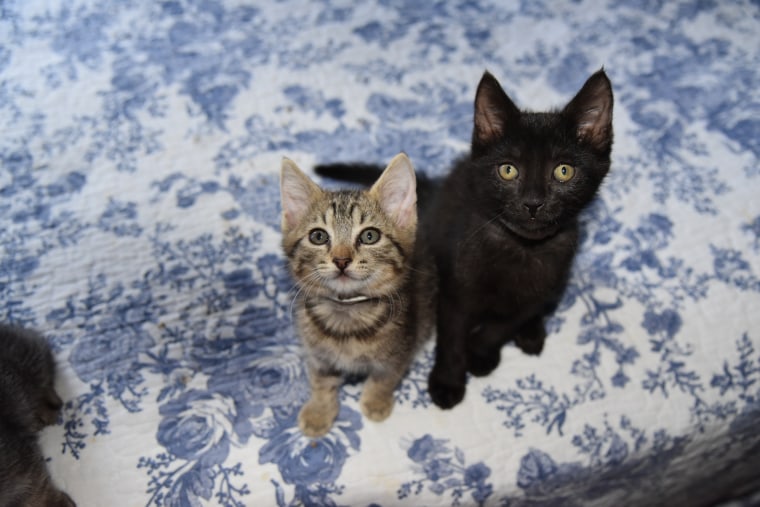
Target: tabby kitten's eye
x,y
508,172
369,236
319,236
564,172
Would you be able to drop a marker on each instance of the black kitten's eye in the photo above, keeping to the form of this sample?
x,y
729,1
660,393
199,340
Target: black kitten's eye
x,y
369,236
319,236
564,172
508,172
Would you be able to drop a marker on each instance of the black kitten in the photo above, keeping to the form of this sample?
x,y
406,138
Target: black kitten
x,y
28,403
503,228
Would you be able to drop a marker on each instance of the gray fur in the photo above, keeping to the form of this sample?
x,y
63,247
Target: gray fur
x,y
28,403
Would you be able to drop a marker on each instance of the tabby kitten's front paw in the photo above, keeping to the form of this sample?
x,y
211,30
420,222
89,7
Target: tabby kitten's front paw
x,y
376,407
316,419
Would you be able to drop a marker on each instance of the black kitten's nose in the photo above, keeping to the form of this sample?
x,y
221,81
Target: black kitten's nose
x,y
342,262
533,207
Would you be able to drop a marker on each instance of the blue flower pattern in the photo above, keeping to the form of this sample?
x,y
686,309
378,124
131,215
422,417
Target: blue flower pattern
x,y
445,471
139,230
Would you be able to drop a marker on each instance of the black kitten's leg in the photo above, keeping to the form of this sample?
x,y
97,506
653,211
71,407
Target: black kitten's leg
x,y
530,336
448,377
484,347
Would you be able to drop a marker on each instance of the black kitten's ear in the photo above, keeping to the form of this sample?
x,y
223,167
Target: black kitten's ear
x,y
591,110
494,111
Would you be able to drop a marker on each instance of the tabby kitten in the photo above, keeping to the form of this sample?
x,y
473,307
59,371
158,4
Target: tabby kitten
x,y
351,255
28,402
503,228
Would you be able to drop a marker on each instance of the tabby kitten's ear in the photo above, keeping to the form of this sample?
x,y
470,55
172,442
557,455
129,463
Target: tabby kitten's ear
x,y
591,110
297,192
396,190
494,111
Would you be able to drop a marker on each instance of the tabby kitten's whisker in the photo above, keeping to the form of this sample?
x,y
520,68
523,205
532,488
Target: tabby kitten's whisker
x,y
306,285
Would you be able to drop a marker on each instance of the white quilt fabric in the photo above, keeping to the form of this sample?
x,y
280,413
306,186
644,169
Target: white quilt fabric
x,y
139,232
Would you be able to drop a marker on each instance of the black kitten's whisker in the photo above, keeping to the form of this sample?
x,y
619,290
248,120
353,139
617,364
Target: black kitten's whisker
x,y
485,224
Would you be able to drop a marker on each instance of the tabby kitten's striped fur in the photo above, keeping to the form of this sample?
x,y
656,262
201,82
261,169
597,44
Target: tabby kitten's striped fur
x,y
351,255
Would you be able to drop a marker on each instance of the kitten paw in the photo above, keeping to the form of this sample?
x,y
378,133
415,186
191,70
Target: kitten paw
x,y
315,420
66,501
481,365
376,408
445,395
49,408
59,499
530,338
532,346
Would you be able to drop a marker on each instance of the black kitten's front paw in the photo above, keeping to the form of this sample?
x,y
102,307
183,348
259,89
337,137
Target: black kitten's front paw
x,y
480,364
531,336
531,346
445,394
532,343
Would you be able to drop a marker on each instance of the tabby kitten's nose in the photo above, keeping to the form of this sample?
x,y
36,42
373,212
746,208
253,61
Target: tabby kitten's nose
x,y
342,262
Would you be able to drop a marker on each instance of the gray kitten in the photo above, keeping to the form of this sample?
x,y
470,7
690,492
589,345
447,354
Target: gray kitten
x,y
28,403
361,308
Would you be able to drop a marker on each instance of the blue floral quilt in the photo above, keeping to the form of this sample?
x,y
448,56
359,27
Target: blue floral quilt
x,y
139,232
